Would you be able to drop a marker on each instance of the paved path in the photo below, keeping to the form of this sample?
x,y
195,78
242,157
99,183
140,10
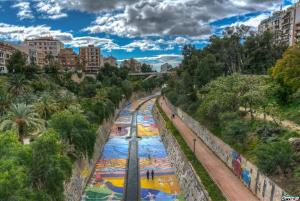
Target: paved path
x,y
132,179
283,122
232,188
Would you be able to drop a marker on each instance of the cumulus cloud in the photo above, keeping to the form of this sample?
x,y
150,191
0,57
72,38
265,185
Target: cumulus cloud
x,y
176,17
25,11
50,9
158,60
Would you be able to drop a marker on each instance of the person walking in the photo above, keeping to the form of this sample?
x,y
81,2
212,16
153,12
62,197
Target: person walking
x,y
152,174
148,174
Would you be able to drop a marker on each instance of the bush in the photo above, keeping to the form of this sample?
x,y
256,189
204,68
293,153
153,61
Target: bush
x,y
236,132
274,156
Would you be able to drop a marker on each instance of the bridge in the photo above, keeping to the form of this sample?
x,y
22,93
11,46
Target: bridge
x,y
151,74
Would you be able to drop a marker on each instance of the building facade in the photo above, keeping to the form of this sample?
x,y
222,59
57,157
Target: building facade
x,y
90,58
6,50
45,45
284,24
68,59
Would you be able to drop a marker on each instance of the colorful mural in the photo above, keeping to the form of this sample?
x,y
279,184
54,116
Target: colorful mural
x,y
164,185
107,181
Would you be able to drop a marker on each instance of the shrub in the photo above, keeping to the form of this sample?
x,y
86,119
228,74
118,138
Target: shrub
x,y
236,132
274,156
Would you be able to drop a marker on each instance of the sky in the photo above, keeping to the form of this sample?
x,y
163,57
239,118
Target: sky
x,y
152,31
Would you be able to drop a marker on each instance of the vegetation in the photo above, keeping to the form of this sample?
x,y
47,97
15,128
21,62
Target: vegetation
x,y
48,121
212,189
224,86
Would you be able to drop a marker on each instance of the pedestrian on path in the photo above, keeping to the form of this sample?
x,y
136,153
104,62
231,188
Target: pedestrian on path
x,y
148,174
152,174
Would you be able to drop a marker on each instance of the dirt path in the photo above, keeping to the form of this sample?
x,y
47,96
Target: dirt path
x,y
232,188
284,123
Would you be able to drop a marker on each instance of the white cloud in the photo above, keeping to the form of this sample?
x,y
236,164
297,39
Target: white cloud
x,y
253,21
25,11
158,60
173,17
50,9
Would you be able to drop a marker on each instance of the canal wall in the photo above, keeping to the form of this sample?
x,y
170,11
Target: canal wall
x,y
83,168
259,184
190,183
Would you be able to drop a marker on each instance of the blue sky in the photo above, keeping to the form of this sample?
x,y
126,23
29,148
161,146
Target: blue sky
x,y
153,31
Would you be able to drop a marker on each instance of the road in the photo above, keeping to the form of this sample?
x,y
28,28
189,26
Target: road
x,y
232,188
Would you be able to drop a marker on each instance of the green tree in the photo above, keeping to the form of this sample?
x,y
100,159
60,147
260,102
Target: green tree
x,y
287,70
276,156
48,167
46,105
21,117
5,100
18,85
16,63
146,68
75,130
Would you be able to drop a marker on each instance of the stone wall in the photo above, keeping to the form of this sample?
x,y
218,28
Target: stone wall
x,y
82,169
262,186
189,181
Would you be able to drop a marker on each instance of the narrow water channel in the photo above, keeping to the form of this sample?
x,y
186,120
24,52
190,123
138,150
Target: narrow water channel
x,y
117,170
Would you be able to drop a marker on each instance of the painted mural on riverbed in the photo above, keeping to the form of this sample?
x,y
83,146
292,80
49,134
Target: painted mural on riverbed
x,y
164,185
107,181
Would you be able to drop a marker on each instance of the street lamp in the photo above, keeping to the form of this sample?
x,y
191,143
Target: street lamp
x,y
194,147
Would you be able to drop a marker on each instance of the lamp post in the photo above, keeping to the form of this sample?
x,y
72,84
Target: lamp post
x,y
194,147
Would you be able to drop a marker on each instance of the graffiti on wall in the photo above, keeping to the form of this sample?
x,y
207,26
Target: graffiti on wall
x,y
238,169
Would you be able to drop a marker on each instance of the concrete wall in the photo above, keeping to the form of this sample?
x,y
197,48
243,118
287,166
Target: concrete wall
x,y
82,169
190,183
262,186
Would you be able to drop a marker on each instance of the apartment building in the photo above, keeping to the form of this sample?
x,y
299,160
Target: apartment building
x,y
90,58
68,58
46,45
6,50
284,24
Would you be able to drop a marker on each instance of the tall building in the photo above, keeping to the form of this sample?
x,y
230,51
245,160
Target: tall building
x,y
68,58
284,24
46,45
90,58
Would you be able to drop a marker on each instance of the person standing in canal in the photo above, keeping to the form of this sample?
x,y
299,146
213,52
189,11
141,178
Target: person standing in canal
x,y
152,174
148,174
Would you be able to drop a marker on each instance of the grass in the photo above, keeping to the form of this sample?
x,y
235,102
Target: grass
x,y
212,189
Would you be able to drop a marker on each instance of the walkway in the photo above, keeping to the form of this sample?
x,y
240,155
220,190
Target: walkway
x,y
232,188
283,122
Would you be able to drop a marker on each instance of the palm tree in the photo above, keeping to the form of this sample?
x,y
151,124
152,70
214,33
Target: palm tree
x,y
46,105
18,85
21,117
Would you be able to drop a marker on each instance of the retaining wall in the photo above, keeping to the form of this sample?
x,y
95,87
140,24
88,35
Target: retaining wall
x,y
262,186
189,181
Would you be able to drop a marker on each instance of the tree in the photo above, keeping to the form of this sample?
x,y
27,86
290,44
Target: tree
x,y
16,63
146,68
18,84
236,132
75,130
127,88
4,100
287,70
21,117
46,105
274,156
48,167
261,53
